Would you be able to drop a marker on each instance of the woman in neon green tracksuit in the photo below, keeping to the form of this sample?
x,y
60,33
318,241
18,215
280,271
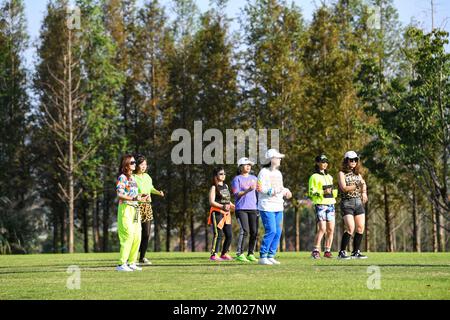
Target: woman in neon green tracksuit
x,y
323,196
128,217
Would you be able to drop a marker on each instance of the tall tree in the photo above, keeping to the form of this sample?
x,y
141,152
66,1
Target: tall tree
x,y
101,83
181,97
14,104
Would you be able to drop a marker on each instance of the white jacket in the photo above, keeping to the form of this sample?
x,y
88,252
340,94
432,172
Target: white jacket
x,y
270,190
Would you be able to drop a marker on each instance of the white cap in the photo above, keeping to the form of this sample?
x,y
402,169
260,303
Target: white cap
x,y
273,153
350,155
244,160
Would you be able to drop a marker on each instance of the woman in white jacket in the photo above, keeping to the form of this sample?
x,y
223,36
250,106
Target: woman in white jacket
x,y
270,205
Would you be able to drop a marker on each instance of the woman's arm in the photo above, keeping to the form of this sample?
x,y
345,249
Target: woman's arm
x,y
158,193
343,185
363,190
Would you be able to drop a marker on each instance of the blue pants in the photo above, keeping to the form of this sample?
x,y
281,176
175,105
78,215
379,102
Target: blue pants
x,y
272,222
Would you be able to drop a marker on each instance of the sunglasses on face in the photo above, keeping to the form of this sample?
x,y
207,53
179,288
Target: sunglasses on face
x,y
323,161
221,174
353,160
132,163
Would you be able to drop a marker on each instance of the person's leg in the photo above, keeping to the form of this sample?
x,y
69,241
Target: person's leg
x,y
253,225
330,218
217,234
145,237
320,231
242,218
136,242
349,223
227,230
360,221
278,230
124,229
320,226
269,223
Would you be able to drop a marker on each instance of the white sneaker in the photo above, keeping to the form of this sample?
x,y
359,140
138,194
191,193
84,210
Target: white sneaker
x,y
134,267
124,268
273,261
144,261
264,261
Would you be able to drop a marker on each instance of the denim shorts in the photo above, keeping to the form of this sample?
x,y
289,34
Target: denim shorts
x,y
353,206
325,212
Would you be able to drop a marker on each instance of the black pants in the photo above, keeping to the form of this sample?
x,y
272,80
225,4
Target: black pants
x,y
248,222
218,235
145,237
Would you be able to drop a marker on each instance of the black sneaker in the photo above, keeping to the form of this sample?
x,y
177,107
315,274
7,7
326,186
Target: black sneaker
x,y
358,255
343,255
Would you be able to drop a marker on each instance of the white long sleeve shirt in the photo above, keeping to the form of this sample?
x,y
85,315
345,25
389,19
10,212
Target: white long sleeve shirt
x,y
270,196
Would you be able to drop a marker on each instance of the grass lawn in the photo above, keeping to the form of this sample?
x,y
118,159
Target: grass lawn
x,y
191,276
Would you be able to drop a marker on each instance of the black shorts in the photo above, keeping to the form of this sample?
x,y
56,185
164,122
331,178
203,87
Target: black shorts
x,y
353,206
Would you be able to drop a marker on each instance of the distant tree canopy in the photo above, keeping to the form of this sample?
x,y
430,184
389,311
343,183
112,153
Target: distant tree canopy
x,y
128,76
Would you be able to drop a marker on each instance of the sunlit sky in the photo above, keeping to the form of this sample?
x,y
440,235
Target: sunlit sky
x,y
418,10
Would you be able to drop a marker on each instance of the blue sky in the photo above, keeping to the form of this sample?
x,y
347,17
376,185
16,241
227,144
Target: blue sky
x,y
419,10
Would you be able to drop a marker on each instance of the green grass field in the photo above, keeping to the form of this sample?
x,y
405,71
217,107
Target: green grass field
x,y
191,276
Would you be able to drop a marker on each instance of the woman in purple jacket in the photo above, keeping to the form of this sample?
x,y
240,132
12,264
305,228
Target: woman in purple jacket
x,y
243,187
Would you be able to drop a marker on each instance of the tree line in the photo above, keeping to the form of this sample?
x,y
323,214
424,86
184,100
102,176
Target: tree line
x,y
112,77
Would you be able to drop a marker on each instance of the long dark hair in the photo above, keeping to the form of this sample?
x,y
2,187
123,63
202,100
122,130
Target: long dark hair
x,y
125,166
346,167
216,171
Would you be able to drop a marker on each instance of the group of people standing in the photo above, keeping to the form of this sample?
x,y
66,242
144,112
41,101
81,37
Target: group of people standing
x,y
134,188
255,198
353,194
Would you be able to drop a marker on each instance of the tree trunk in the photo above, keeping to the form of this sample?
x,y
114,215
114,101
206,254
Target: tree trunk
x,y
416,222
95,233
85,229
106,221
388,222
55,233
434,230
283,237
169,210
182,238
192,225
439,229
206,235
297,228
71,140
63,232
367,230
184,210
156,234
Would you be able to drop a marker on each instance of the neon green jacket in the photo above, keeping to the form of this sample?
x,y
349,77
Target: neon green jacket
x,y
317,182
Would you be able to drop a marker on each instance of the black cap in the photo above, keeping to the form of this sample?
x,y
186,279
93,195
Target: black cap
x,y
322,158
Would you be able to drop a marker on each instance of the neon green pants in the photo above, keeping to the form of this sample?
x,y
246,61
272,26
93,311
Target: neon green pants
x,y
129,231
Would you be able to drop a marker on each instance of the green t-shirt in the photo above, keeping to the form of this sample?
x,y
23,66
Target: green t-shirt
x,y
145,184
